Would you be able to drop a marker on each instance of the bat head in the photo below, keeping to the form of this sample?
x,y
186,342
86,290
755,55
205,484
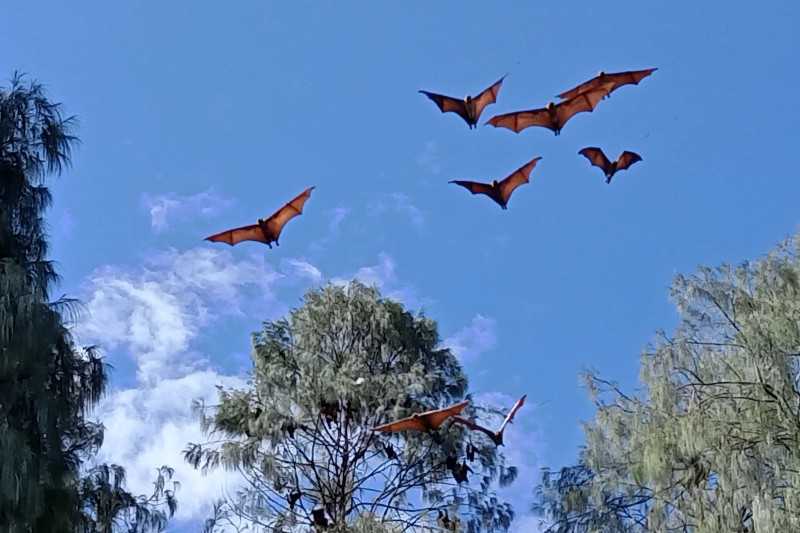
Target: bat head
x,y
468,99
495,184
551,105
601,74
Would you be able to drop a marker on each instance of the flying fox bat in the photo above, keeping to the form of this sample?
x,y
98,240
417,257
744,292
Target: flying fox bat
x,y
616,79
500,191
267,230
428,420
496,436
460,472
470,452
469,108
554,116
597,158
293,497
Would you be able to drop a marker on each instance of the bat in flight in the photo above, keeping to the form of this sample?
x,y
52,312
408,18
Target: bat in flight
x,y
496,436
554,116
616,79
267,230
597,158
500,191
428,420
469,108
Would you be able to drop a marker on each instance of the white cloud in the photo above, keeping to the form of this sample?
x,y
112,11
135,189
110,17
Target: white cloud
x,y
471,341
383,276
429,159
398,202
164,207
337,215
302,269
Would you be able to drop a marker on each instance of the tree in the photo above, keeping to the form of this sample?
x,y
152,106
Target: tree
x,y
300,434
48,385
712,444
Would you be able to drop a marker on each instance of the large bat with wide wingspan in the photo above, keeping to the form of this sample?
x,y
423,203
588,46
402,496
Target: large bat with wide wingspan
x,y
469,108
500,191
616,79
496,436
597,158
428,420
267,230
552,117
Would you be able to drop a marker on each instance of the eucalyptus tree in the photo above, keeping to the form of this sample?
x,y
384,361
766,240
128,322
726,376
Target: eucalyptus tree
x,y
300,434
712,442
48,384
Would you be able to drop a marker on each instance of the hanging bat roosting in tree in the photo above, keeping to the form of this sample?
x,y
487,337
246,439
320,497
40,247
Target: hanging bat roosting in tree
x,y
616,79
552,117
267,230
500,191
460,472
423,421
597,158
496,436
469,108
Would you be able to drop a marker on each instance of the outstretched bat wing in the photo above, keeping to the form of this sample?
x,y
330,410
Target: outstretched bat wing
x,y
626,159
510,416
488,96
423,421
517,178
474,426
596,157
519,120
447,104
237,235
617,79
583,103
293,208
474,187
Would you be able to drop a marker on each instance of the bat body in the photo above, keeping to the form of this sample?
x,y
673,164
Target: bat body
x,y
597,158
469,108
500,191
616,79
293,497
496,436
554,116
426,421
266,230
460,472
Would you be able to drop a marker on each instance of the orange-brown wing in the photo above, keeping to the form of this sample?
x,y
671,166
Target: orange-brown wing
x,y
582,88
626,159
488,96
631,77
237,235
510,416
583,103
406,424
437,417
474,187
596,157
448,105
519,120
283,215
517,178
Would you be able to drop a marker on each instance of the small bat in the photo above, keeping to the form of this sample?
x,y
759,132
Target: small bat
x,y
496,436
293,497
470,452
597,158
554,116
390,453
267,230
428,420
469,108
318,515
500,191
616,79
460,472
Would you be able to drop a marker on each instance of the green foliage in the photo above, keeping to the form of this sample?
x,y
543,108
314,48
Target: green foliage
x,y
712,445
346,361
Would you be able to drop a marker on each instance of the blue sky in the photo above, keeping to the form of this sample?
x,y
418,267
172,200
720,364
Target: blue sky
x,y
195,117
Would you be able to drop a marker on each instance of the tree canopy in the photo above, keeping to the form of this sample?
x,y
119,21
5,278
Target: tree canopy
x,y
344,362
712,442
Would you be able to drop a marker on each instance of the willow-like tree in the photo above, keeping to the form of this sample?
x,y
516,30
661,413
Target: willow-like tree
x,y
344,362
712,443
47,383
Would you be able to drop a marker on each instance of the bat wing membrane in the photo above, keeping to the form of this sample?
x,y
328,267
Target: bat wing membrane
x,y
510,416
596,157
237,235
291,209
517,178
519,120
475,187
626,159
488,96
584,102
447,104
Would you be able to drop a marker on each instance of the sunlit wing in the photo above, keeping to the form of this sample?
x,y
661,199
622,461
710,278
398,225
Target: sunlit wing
x,y
519,120
237,235
583,103
626,159
631,77
293,208
437,417
596,157
517,178
405,424
510,416
447,104
488,96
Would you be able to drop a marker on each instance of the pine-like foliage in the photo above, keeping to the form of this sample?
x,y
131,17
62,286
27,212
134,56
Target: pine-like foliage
x,y
346,361
47,383
712,444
